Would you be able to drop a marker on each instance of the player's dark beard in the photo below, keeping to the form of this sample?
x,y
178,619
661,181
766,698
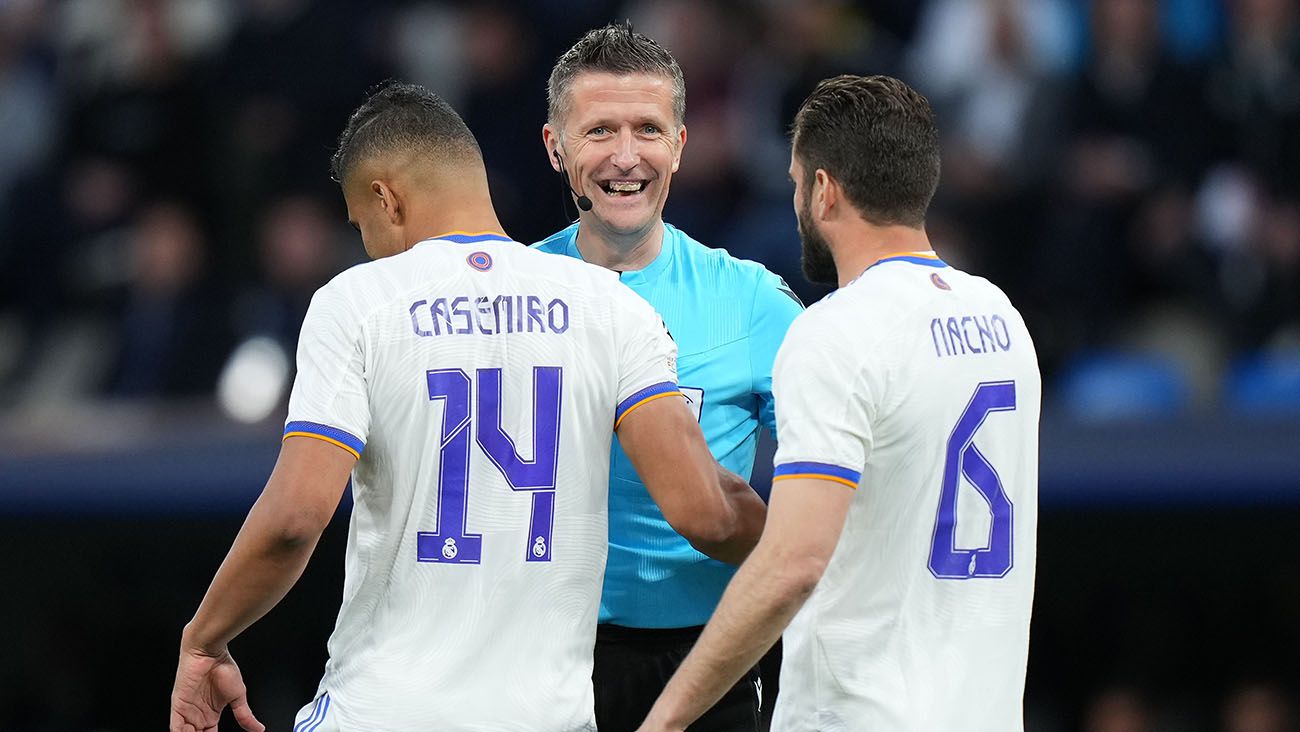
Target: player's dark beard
x,y
818,264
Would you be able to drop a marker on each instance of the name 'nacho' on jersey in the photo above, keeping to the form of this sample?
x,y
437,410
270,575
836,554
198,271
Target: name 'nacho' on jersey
x,y
958,336
486,315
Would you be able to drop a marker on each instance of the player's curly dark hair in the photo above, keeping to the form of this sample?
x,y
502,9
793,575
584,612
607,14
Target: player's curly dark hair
x,y
399,117
613,49
876,136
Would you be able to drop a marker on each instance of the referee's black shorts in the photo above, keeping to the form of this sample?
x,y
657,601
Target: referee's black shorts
x,y
634,664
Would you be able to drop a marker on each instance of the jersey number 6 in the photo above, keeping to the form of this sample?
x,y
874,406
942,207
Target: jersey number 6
x,y
452,543
963,458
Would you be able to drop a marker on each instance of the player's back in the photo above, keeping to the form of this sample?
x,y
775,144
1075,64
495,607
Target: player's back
x,y
921,620
477,539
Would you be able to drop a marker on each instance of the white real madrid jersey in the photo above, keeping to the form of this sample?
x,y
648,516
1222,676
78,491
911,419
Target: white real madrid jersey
x,y
918,386
479,382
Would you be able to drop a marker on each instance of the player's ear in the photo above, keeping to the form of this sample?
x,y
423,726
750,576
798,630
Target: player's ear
x,y
825,194
389,201
551,140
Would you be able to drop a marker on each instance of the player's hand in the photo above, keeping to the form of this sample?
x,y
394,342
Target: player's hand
x,y
205,685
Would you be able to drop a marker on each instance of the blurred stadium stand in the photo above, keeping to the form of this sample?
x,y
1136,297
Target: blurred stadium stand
x,y
1125,169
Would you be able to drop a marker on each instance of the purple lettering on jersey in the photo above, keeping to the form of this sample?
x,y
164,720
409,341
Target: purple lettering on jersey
x,y
1002,334
504,304
438,311
415,319
460,310
955,337
451,543
538,473
482,311
557,315
535,314
963,458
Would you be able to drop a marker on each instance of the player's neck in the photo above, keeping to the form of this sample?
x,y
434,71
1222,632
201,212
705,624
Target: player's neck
x,y
865,244
470,221
618,251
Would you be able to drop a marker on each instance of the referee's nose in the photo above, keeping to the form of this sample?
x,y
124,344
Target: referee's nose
x,y
627,154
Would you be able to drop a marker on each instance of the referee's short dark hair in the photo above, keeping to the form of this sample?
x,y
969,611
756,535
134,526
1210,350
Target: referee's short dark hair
x,y
876,136
613,49
399,117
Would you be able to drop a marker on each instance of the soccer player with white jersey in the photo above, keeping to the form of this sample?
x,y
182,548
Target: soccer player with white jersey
x,y
900,541
471,387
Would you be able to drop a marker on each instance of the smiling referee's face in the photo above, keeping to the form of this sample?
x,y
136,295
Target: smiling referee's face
x,y
622,146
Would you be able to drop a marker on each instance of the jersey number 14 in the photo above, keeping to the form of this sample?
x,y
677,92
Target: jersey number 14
x,y
452,542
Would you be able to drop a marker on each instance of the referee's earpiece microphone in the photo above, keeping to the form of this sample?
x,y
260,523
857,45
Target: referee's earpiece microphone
x,y
584,203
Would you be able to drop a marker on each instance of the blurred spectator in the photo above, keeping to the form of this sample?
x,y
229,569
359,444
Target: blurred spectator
x,y
297,253
1258,707
1121,709
1134,131
1254,92
173,332
990,69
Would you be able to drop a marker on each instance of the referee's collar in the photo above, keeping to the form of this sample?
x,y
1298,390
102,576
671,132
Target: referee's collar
x,y
648,273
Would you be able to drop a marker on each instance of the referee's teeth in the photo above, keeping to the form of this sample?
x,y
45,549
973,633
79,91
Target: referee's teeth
x,y
625,186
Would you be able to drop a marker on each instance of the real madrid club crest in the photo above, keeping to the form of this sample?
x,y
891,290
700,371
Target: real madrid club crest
x,y
449,550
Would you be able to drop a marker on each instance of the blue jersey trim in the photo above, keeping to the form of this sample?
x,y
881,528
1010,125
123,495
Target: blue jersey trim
x,y
923,261
817,470
473,238
339,437
654,391
317,715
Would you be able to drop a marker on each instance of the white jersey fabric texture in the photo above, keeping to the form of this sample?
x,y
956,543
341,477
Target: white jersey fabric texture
x,y
918,385
479,382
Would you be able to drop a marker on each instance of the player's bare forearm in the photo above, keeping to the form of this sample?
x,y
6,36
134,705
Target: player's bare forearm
x,y
758,604
263,564
750,514
274,545
803,527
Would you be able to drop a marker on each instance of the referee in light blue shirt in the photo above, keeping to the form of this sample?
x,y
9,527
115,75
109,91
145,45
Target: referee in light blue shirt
x,y
615,133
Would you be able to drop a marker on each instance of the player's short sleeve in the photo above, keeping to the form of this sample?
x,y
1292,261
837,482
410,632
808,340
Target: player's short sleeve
x,y
775,308
647,355
824,404
329,400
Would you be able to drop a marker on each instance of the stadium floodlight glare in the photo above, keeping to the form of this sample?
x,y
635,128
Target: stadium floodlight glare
x,y
253,380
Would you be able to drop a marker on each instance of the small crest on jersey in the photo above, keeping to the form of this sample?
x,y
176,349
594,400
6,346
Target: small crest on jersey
x,y
480,261
938,282
539,547
449,550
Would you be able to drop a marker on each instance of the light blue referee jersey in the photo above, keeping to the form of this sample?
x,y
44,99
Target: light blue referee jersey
x,y
728,317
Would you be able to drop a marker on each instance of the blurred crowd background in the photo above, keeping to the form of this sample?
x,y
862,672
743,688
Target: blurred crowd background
x,y
1127,170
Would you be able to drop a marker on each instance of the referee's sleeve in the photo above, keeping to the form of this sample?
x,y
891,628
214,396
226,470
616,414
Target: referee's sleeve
x,y
775,308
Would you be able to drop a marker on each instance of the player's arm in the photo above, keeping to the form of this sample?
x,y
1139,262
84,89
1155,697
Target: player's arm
x,y
273,547
266,559
715,509
803,526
